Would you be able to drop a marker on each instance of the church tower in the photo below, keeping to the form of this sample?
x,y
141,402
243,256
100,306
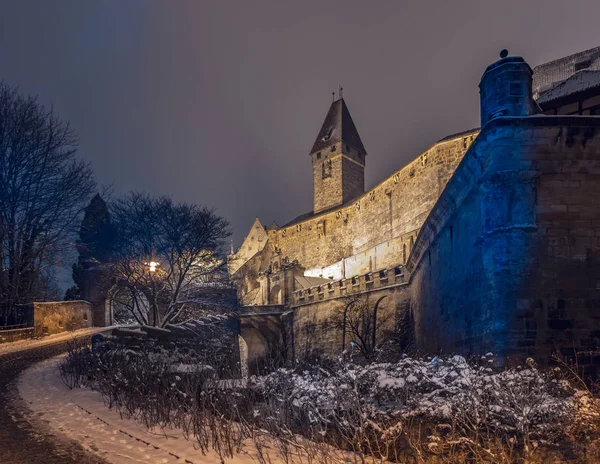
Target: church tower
x,y
338,160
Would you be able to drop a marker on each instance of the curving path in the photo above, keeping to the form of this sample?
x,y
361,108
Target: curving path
x,y
24,442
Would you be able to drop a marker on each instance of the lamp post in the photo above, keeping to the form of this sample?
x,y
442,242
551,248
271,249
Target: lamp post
x,y
151,267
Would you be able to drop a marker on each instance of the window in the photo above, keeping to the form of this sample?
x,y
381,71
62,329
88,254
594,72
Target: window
x,y
516,88
333,149
583,64
327,136
326,169
319,155
348,148
321,229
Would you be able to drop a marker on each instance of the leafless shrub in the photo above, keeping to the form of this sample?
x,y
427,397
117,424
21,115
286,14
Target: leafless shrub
x,y
414,410
77,364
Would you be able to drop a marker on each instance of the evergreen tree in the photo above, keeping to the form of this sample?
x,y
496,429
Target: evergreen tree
x,y
96,242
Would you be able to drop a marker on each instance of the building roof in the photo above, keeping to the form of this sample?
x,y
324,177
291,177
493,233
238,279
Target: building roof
x,y
548,75
578,82
338,127
303,282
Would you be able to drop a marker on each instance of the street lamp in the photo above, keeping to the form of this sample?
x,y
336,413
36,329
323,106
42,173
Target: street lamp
x,y
152,265
151,268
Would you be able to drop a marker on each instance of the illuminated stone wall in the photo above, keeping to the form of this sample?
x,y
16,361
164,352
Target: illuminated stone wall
x,y
60,316
392,209
509,259
316,321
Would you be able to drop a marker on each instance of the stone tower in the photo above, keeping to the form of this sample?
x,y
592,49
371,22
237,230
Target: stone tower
x,y
505,89
338,160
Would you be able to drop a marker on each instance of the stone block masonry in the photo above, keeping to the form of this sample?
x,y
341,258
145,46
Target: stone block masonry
x,y
393,208
509,260
61,316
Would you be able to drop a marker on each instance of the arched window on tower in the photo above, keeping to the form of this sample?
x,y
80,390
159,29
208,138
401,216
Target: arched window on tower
x,y
326,169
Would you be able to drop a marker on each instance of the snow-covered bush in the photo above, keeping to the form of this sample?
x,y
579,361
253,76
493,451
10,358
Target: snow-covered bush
x,y
441,409
433,406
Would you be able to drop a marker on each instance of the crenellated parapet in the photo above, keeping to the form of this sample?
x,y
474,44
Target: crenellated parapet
x,y
356,285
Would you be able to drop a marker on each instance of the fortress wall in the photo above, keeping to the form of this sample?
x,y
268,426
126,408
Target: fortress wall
x,y
383,256
395,207
317,326
509,259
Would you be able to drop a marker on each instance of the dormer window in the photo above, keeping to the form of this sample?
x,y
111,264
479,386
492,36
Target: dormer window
x,y
328,134
583,64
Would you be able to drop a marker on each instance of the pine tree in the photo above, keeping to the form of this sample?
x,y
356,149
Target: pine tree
x,y
95,244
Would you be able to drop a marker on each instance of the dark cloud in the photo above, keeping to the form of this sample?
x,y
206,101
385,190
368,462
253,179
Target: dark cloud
x,y
219,102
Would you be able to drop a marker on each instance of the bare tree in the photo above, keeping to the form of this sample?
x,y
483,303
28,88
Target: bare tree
x,y
168,252
362,328
43,190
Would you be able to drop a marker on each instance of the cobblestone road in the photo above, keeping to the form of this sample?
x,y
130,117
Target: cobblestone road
x,y
24,442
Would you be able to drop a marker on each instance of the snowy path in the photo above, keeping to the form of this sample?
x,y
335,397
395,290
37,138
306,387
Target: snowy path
x,y
24,438
81,415
49,340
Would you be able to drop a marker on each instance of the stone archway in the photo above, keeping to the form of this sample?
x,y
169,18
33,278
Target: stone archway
x,y
384,320
263,342
254,350
277,295
124,306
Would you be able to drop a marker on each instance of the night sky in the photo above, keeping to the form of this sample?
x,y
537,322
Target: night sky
x,y
219,103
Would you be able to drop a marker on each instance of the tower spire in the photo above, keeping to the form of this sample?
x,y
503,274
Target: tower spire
x,y
338,159
337,127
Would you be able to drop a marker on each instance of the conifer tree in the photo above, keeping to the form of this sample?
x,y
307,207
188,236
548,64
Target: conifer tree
x,y
95,244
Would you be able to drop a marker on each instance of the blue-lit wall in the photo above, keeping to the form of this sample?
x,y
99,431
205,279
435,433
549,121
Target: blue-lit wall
x,y
514,236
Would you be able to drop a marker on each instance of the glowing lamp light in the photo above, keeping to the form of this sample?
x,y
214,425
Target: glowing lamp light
x,y
152,265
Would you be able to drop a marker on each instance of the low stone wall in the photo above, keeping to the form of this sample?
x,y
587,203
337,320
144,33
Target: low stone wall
x,y
14,335
60,316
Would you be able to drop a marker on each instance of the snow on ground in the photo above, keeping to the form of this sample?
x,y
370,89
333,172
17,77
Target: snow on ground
x,y
81,415
36,342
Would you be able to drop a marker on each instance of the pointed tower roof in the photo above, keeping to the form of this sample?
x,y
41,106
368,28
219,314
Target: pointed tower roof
x,y
338,127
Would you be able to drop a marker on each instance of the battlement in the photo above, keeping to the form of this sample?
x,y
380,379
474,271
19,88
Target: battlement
x,y
355,285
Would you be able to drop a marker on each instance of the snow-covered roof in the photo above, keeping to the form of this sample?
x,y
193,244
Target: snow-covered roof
x,y
578,82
